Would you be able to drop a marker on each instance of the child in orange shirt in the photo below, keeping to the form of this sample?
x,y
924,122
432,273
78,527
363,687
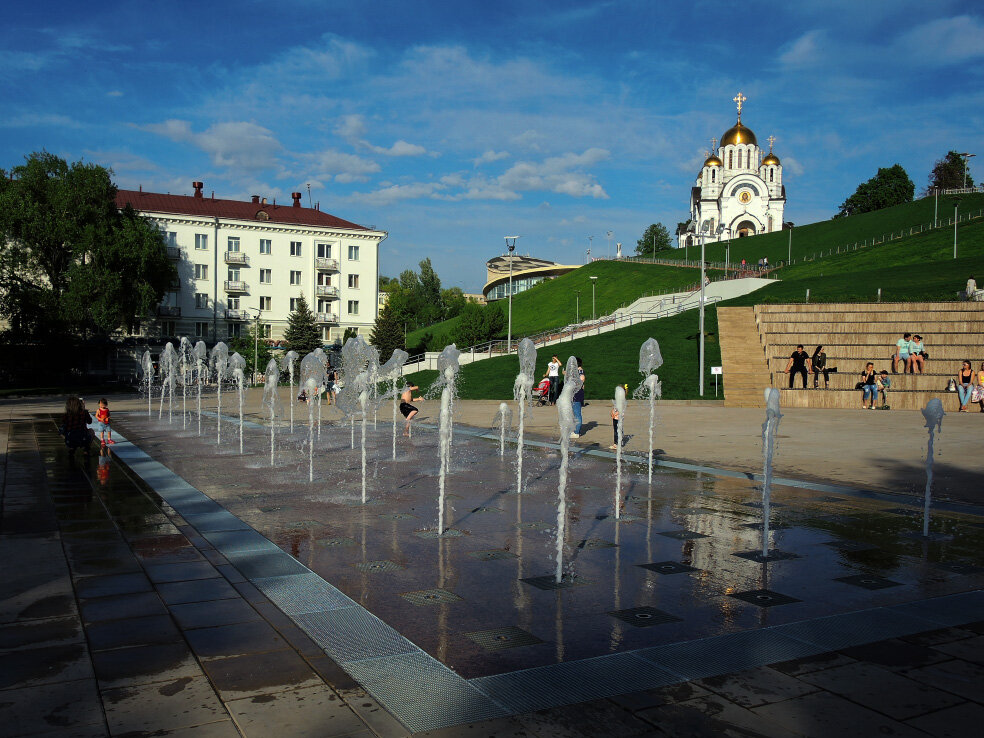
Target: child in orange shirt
x,y
102,423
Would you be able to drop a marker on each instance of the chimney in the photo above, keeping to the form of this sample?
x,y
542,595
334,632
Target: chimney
x,y
198,188
297,199
263,201
255,199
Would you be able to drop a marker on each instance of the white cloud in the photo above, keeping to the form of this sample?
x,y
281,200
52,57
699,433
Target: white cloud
x,y
559,174
237,145
943,41
395,193
400,148
806,51
345,168
39,120
351,127
490,156
114,93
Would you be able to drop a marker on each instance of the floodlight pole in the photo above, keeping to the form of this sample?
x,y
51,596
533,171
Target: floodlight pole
x,y
966,156
593,281
956,205
256,345
511,247
577,306
702,236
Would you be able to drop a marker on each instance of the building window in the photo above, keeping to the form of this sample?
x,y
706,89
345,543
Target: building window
x,y
233,274
293,303
325,333
266,246
201,300
353,253
324,280
201,271
295,248
353,307
714,175
201,330
201,241
266,276
295,278
232,303
265,330
233,243
235,330
172,238
772,174
169,328
353,281
324,306
730,154
265,303
324,250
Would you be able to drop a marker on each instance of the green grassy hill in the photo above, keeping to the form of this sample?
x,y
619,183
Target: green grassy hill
x,y
916,268
812,239
553,303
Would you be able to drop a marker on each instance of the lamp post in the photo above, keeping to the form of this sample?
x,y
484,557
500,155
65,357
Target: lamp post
x,y
956,205
702,235
511,247
966,156
593,281
577,306
609,234
256,343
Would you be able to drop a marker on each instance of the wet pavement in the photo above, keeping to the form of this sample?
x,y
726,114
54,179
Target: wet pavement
x,y
120,617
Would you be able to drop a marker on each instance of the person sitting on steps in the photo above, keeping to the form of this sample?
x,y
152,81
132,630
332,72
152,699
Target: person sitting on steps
x,y
799,363
901,355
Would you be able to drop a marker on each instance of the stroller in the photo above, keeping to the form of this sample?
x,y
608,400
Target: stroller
x,y
541,393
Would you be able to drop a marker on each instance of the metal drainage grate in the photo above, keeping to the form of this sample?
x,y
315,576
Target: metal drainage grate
x,y
448,533
774,555
764,597
958,567
668,567
868,581
550,582
623,518
298,594
426,597
593,543
851,545
336,542
492,555
373,567
644,617
353,634
395,516
536,525
499,639
486,510
682,535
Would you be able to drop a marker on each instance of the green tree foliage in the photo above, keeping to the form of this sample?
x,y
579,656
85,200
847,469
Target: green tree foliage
x,y
349,333
70,261
387,334
454,301
948,173
417,300
302,334
244,346
477,324
656,238
891,186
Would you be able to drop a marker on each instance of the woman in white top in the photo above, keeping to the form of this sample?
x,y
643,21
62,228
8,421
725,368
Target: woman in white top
x,y
553,374
916,358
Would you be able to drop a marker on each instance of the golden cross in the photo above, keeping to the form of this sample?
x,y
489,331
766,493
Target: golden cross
x,y
772,140
740,99
713,144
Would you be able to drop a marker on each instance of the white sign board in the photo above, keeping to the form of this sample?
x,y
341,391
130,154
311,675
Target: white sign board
x,y
716,370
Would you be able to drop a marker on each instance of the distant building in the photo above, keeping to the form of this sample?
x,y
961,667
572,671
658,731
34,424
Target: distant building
x,y
737,187
235,258
476,298
526,272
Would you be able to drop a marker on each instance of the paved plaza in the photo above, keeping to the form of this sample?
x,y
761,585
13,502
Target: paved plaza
x,y
177,588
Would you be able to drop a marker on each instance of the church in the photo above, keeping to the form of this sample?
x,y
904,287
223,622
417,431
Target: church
x,y
737,188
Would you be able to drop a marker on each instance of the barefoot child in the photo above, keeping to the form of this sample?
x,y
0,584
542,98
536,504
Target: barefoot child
x,y
103,424
615,419
408,410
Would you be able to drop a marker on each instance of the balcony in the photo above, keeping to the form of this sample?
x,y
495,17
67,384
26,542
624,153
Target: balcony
x,y
236,257
326,317
326,290
168,311
235,285
325,264
232,314
173,252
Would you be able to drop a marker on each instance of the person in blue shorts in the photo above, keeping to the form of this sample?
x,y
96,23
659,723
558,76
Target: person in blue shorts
x,y
901,353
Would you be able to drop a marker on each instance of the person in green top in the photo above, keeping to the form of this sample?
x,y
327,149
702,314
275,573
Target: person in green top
x,y
901,353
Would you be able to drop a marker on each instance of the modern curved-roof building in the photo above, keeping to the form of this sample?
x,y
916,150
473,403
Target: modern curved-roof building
x,y
526,272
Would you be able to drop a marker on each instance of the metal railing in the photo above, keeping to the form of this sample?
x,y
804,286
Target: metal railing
x,y
324,290
173,252
322,262
325,318
234,314
169,311
236,257
235,285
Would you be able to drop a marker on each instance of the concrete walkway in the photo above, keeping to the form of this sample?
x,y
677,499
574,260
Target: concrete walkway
x,y
118,618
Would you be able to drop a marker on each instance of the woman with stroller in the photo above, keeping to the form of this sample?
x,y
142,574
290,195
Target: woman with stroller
x,y
553,374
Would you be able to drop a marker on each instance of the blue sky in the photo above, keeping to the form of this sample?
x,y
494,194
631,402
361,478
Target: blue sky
x,y
451,125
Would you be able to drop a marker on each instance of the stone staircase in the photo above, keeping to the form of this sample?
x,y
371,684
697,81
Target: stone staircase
x,y
854,333
746,371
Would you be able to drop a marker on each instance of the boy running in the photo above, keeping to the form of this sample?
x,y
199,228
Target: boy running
x,y
408,410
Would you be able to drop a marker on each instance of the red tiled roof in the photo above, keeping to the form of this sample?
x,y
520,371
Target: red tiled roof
x,y
239,210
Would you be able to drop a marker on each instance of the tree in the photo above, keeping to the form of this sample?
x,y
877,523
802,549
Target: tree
x,y
656,238
244,345
302,334
891,186
454,301
71,262
948,173
431,305
387,334
349,333
477,324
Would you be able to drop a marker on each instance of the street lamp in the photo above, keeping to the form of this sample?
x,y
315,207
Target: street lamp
x,y
256,342
966,156
956,205
590,239
609,234
702,235
577,306
511,247
593,281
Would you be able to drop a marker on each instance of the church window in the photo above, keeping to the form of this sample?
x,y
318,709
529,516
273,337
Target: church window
x,y
729,160
772,174
713,177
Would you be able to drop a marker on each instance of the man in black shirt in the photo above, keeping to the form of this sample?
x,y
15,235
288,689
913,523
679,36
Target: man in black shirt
x,y
799,363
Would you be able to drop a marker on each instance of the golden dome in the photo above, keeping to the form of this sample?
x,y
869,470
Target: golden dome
x,y
738,134
769,159
713,161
